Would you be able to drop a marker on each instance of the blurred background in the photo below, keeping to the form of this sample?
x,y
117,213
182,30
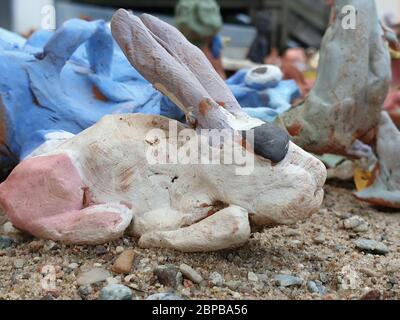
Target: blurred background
x,y
291,22
248,31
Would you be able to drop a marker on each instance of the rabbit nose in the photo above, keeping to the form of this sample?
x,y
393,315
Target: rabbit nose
x,y
269,142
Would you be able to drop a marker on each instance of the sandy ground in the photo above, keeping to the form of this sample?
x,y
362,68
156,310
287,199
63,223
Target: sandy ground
x,y
320,250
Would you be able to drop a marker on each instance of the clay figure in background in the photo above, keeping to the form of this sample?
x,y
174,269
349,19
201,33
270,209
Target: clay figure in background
x,y
343,111
392,103
294,65
260,47
200,21
262,92
89,189
352,84
385,189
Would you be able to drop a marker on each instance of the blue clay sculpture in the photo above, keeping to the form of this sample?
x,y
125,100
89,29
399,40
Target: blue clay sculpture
x,y
64,82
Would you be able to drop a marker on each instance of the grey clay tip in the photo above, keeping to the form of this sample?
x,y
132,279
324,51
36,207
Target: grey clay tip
x,y
270,142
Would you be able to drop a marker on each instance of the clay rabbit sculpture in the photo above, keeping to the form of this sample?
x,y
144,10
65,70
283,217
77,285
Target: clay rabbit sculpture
x,y
94,186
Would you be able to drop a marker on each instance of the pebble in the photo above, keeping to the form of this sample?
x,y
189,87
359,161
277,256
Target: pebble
x,y
6,242
85,290
288,281
319,239
316,287
116,292
217,279
345,215
292,233
124,263
252,277
10,230
50,245
129,278
73,266
19,263
100,250
348,278
236,295
119,249
233,285
372,246
92,276
191,274
164,296
372,295
356,223
169,276
113,280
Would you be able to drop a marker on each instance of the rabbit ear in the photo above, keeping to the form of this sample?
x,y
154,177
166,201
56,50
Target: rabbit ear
x,y
156,61
195,61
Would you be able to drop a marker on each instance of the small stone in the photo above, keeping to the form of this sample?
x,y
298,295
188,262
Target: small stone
x,y
186,292
19,263
356,224
26,276
116,292
361,228
236,295
348,278
316,287
233,285
9,229
164,296
129,278
123,264
84,291
191,274
292,233
371,246
119,249
6,242
216,279
284,280
319,239
372,295
169,276
252,277
112,280
100,250
92,276
73,266
50,245
343,215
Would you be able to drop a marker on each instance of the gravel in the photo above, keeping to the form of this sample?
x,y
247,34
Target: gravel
x,y
334,264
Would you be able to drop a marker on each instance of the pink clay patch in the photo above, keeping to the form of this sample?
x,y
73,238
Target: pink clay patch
x,y
80,226
39,188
